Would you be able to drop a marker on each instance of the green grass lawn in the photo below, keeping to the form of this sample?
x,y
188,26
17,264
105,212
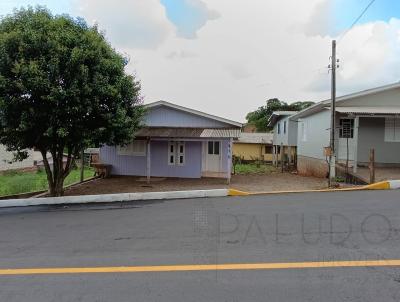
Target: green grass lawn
x,y
23,182
252,168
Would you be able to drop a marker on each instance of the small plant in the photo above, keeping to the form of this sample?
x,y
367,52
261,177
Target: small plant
x,y
340,179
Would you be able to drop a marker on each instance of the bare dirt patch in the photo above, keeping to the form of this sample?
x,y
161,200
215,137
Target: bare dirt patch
x,y
251,182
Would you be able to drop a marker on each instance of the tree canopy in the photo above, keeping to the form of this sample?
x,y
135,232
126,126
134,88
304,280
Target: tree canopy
x,y
62,88
259,118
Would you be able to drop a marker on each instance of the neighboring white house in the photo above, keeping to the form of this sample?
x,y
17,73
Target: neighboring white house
x,y
364,120
285,135
7,163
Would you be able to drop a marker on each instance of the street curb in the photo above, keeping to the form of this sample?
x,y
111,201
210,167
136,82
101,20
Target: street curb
x,y
105,198
383,185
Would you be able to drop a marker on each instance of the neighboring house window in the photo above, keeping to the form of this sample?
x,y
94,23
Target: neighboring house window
x,y
279,128
176,153
284,127
268,149
346,128
392,129
213,147
136,148
304,131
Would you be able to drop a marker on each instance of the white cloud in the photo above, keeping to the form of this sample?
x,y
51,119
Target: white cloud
x,y
321,20
249,54
369,55
128,23
183,54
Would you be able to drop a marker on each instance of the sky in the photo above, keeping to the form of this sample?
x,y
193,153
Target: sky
x,y
228,57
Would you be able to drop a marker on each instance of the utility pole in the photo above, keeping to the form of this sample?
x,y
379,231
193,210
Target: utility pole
x,y
332,157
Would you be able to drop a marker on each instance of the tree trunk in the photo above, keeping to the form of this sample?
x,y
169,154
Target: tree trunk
x,y
56,176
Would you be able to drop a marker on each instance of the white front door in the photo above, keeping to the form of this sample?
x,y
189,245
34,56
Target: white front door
x,y
346,139
212,158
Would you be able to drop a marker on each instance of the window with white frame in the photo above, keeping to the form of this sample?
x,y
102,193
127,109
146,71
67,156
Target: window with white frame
x,y
181,153
176,153
213,147
171,153
304,131
135,148
392,129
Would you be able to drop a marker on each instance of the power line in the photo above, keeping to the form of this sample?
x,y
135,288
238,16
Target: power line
x,y
357,19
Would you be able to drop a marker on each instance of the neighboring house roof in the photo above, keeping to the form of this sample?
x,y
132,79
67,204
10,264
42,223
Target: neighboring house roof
x,y
278,114
323,104
192,111
187,132
255,138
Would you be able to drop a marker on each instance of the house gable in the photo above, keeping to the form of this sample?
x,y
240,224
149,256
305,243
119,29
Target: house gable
x,y
387,98
166,115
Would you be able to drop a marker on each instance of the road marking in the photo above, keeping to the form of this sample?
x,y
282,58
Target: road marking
x,y
199,267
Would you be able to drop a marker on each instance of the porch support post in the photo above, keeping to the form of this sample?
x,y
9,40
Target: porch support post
x,y
275,155
229,159
289,155
355,137
148,166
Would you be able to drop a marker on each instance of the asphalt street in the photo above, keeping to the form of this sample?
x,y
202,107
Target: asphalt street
x,y
290,228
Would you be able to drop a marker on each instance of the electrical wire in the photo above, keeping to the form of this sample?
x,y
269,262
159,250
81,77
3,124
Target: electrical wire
x,y
356,20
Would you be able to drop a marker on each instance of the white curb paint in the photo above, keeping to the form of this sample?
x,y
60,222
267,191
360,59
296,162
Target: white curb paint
x,y
394,184
112,198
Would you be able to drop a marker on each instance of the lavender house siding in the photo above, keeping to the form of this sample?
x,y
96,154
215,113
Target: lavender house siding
x,y
167,117
163,114
136,165
159,160
224,157
122,164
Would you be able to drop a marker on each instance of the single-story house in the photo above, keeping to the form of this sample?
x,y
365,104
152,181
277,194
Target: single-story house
x,y
365,120
253,146
7,163
176,141
285,136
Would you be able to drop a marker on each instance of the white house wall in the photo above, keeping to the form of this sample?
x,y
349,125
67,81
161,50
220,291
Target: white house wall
x,y
389,98
317,135
371,135
290,137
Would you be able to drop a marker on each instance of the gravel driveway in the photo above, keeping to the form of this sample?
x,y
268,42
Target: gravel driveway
x,y
251,182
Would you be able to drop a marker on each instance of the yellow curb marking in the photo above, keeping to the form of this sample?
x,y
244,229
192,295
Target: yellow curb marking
x,y
200,267
383,185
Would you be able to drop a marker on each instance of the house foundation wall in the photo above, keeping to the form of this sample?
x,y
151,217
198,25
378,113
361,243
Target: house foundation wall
x,y
308,166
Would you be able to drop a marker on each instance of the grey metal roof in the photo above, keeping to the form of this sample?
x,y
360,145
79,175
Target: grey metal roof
x,y
166,132
368,110
255,138
234,133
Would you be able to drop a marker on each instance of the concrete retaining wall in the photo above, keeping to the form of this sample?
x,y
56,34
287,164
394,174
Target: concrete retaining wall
x,y
308,166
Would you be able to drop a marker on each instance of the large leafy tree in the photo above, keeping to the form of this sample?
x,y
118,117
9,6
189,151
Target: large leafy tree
x,y
62,88
259,118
